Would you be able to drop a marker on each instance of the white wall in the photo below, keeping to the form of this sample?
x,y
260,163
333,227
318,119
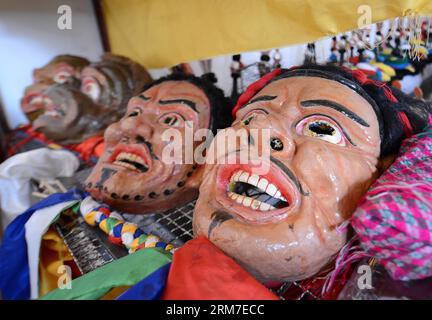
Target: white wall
x,y
29,38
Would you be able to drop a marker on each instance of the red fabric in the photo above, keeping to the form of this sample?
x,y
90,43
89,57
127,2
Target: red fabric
x,y
201,271
32,135
92,146
354,60
408,130
361,77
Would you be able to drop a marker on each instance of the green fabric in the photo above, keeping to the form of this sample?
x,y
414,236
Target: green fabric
x,y
126,271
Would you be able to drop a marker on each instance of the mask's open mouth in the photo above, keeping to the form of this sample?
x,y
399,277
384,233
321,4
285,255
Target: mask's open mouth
x,y
255,192
131,161
46,107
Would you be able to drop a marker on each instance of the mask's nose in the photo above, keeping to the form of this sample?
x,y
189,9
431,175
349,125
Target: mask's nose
x,y
266,132
137,129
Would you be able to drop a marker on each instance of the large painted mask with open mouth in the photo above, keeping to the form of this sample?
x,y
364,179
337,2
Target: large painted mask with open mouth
x,y
132,175
282,224
62,69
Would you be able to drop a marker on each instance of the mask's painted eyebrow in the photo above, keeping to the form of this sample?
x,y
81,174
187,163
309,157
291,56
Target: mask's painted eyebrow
x,y
189,103
262,98
143,97
336,106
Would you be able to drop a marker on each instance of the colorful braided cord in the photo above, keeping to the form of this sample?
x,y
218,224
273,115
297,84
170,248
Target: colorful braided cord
x,y
118,230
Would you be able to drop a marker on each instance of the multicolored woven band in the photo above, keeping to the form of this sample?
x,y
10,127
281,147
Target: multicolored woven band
x,y
119,231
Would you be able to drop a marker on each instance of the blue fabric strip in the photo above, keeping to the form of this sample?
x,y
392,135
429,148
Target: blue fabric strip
x,y
150,288
14,270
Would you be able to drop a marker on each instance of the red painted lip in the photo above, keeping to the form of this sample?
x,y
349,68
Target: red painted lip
x,y
275,176
136,149
89,80
27,106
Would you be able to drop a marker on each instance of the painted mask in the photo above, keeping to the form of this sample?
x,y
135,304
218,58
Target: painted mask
x,y
132,175
105,87
282,225
63,69
113,81
68,115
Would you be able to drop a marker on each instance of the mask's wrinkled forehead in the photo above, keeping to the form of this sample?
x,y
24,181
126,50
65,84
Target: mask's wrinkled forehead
x,y
338,78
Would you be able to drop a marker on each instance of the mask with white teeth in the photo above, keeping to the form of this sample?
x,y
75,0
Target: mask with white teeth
x,y
282,224
132,175
253,191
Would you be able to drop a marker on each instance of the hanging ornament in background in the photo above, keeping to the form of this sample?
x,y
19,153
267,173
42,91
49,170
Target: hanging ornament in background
x,y
310,55
342,45
236,68
264,64
277,58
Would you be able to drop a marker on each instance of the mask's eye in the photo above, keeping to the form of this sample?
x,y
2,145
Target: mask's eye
x,y
62,76
251,115
321,128
172,120
134,113
91,88
247,120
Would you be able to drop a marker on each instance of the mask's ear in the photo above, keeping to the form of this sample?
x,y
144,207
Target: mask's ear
x,y
194,181
385,162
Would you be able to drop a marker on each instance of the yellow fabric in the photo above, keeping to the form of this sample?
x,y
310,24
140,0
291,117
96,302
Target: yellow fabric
x,y
385,68
53,254
114,293
162,33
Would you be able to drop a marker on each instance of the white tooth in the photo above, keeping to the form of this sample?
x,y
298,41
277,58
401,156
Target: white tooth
x,y
37,100
232,176
234,196
236,176
240,199
247,202
262,184
265,206
278,195
271,189
255,204
283,199
253,180
244,177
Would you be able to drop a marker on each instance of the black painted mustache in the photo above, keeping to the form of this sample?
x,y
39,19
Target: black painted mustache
x,y
290,174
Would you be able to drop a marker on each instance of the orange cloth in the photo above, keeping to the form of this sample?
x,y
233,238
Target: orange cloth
x,y
200,270
93,146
